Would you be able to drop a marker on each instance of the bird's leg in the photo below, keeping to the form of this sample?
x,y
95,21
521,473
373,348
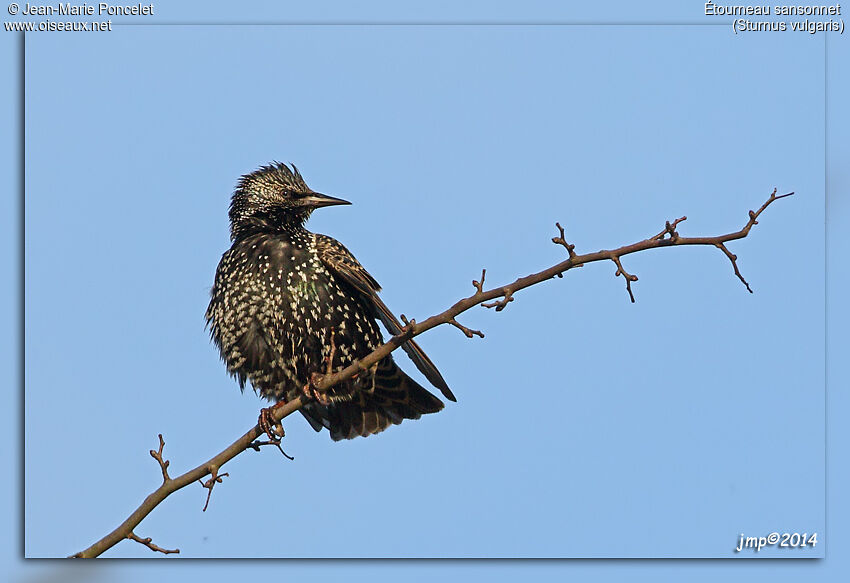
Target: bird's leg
x,y
329,360
274,431
310,390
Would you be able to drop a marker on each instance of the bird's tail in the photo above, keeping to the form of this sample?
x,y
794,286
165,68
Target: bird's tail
x,y
388,398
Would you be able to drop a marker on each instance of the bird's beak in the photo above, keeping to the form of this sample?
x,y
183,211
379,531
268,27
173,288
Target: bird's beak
x,y
317,199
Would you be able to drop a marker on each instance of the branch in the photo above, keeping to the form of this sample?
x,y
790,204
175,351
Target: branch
x,y
148,542
627,276
125,529
163,464
215,478
559,240
467,331
500,296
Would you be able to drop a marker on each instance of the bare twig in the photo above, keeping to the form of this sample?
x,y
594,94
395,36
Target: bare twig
x,y
411,329
507,297
215,478
627,276
148,542
256,445
467,331
163,464
670,229
559,240
408,331
166,489
734,259
479,285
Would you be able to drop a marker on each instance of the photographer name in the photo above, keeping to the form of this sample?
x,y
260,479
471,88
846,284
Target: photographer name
x,y
101,9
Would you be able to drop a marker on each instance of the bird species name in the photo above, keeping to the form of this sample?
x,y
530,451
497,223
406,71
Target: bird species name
x,y
712,9
807,25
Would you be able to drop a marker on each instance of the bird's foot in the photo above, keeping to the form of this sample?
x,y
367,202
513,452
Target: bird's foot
x,y
329,359
311,392
273,430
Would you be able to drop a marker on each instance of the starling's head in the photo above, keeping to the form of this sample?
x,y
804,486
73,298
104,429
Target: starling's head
x,y
274,198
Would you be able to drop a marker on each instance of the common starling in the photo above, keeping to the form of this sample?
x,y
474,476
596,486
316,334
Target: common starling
x,y
287,303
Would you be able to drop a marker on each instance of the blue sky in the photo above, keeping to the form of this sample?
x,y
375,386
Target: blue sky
x,y
585,426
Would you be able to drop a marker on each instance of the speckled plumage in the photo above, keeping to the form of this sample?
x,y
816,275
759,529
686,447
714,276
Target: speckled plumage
x,y
281,291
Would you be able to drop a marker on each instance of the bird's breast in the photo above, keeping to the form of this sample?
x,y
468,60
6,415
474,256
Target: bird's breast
x,y
278,312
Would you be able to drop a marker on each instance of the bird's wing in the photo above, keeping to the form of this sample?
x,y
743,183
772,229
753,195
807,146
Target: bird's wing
x,y
340,260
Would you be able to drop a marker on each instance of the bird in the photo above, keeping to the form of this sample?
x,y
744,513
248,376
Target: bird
x,y
288,304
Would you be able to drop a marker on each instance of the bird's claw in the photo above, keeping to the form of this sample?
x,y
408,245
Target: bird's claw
x,y
273,430
311,392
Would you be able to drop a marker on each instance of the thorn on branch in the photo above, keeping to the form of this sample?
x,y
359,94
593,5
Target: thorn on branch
x,y
148,543
215,478
560,240
501,304
627,276
479,285
734,259
467,331
163,464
